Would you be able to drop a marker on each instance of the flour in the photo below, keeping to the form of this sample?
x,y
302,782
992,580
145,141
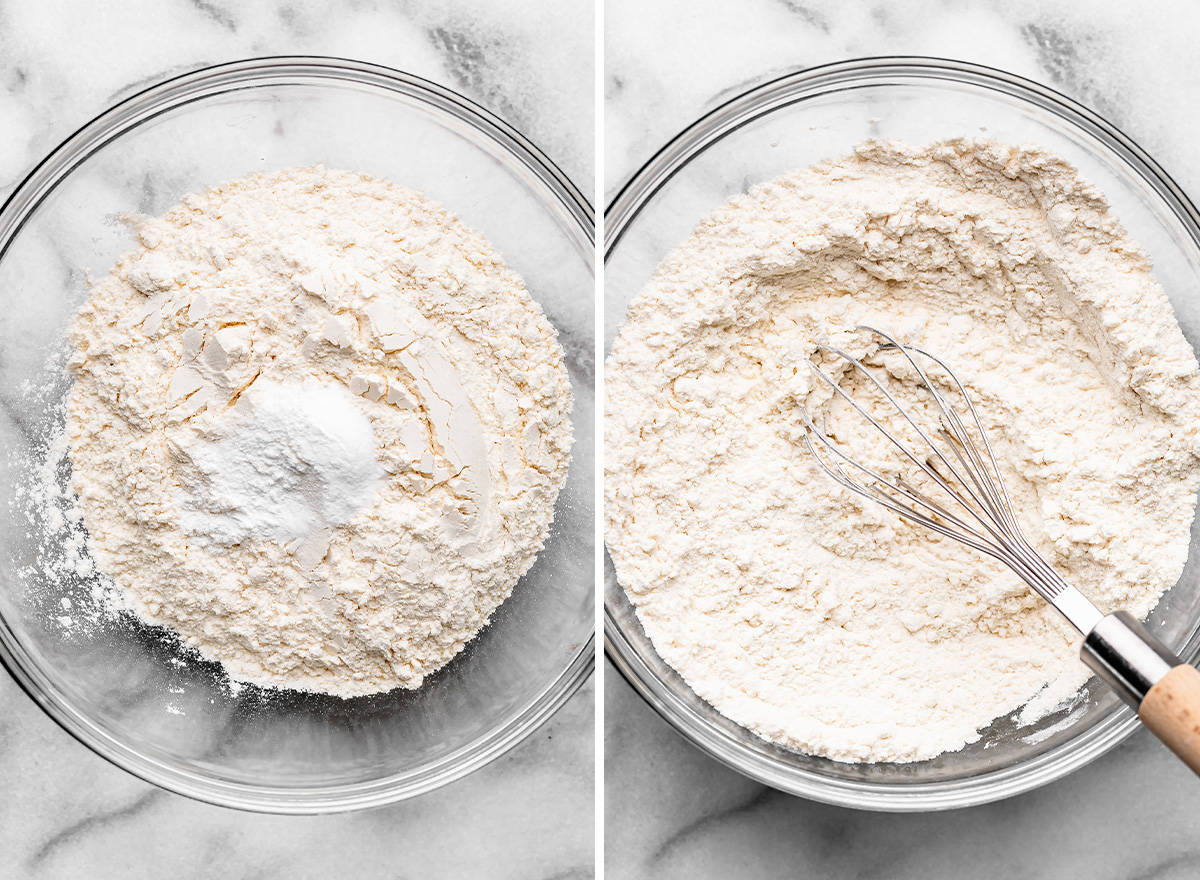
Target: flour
x,y
317,429
816,618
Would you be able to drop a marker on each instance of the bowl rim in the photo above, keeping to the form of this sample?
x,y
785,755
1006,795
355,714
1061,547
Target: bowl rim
x,y
634,194
171,93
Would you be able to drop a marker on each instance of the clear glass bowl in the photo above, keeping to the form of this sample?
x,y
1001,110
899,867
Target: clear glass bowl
x,y
129,692
822,113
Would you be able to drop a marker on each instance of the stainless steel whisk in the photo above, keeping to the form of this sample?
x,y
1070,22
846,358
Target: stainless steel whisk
x,y
966,500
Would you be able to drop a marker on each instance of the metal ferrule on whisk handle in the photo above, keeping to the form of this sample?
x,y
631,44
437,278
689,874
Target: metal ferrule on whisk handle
x,y
1126,656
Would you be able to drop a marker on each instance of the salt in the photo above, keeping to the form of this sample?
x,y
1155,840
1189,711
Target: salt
x,y
291,461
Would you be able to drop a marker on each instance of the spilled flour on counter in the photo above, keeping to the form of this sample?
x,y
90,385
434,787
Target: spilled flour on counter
x,y
814,617
317,428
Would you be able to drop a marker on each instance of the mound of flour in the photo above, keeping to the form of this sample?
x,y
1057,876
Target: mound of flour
x,y
814,617
317,428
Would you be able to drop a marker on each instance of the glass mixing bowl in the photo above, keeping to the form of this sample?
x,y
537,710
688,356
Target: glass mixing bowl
x,y
822,113
130,692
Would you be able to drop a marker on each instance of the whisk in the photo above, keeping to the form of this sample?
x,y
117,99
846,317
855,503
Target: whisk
x,y
962,496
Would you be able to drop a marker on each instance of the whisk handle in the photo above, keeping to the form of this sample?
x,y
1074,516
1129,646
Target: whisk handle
x,y
1163,690
1172,713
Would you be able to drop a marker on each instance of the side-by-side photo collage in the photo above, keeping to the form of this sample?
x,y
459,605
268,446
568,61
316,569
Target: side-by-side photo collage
x,y
643,440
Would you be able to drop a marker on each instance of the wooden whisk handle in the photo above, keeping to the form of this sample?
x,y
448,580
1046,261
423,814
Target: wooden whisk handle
x,y
1171,710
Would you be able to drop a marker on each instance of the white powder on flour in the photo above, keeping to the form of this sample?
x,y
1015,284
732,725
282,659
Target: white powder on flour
x,y
317,428
816,618
300,461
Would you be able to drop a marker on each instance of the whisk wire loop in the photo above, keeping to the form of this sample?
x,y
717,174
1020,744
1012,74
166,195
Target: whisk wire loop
x,y
921,463
978,512
985,519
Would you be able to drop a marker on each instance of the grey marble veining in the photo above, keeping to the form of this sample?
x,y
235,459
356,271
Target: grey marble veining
x,y
668,61
61,63
673,812
66,813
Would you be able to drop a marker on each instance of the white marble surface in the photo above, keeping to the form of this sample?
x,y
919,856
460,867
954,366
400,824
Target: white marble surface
x,y
66,813
673,812
670,810
668,61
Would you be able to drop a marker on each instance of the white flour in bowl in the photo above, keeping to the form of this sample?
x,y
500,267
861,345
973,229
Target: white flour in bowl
x,y
814,617
317,428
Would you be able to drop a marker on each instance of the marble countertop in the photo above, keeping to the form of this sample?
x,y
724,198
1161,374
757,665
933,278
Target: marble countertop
x,y
66,813
670,810
673,812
